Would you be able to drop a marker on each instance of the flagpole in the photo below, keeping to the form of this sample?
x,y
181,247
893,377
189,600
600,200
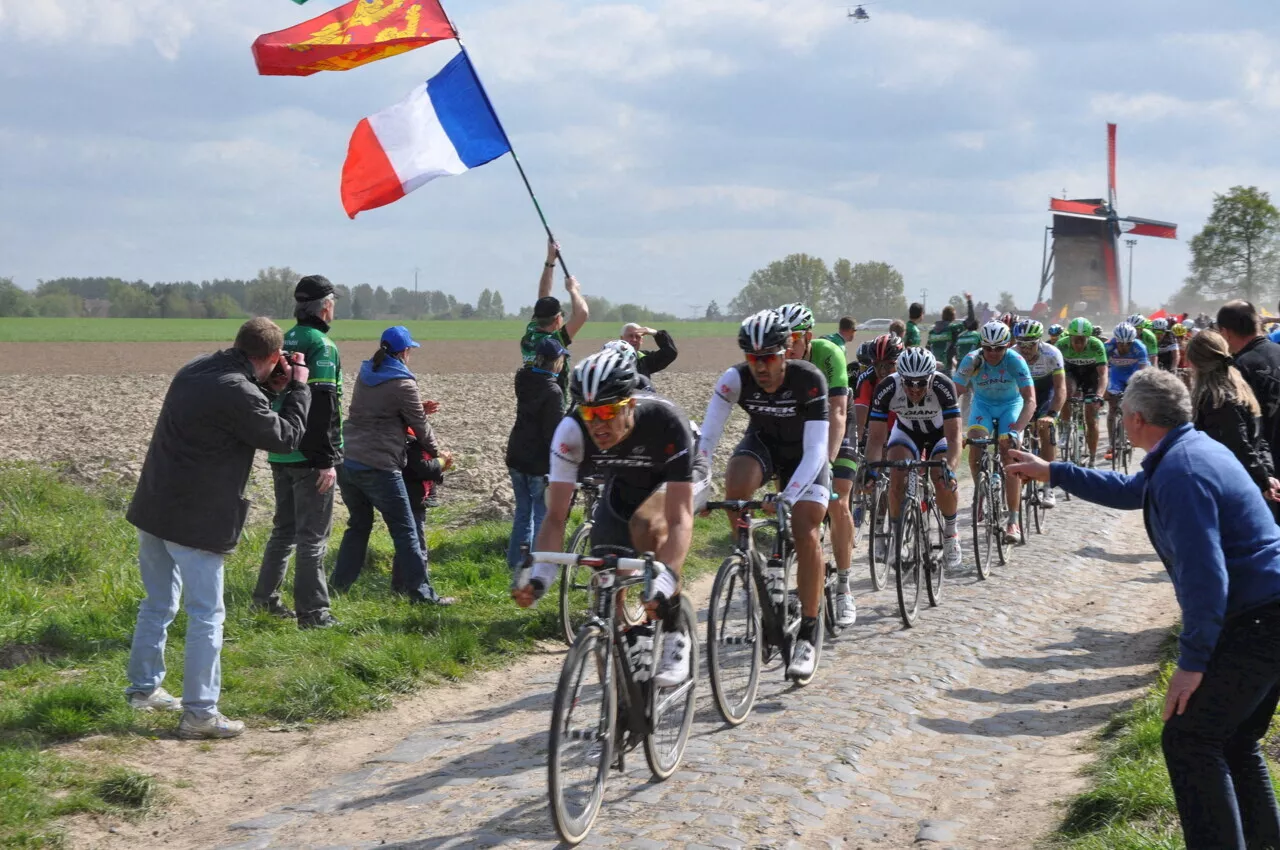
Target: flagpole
x,y
485,94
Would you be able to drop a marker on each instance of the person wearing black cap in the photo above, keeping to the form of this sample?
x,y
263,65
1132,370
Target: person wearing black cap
x,y
548,318
304,479
538,412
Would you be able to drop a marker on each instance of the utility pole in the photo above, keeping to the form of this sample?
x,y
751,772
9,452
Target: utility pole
x,y
924,294
1130,243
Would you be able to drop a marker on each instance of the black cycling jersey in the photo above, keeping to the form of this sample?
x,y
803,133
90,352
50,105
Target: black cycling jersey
x,y
778,418
923,418
659,449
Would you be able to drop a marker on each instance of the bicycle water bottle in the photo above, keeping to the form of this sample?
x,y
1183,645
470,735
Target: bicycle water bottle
x,y
774,579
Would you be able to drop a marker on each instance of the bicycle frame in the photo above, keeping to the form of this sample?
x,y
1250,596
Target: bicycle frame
x,y
773,616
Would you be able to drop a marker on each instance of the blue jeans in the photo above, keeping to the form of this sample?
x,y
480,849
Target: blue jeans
x,y
362,491
167,569
531,508
1216,767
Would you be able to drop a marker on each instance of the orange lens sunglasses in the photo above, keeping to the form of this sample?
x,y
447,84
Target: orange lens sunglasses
x,y
763,358
603,412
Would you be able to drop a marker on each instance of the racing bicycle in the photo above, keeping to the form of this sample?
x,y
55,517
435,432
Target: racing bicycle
x,y
575,580
917,537
988,503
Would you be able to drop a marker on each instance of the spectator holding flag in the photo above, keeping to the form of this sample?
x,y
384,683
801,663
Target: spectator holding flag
x,y
548,317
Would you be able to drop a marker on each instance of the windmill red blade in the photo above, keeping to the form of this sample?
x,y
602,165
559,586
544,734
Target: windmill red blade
x,y
1111,165
1148,227
1083,209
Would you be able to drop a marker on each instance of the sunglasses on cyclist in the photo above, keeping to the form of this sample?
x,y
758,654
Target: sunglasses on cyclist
x,y
603,412
763,357
916,383
993,348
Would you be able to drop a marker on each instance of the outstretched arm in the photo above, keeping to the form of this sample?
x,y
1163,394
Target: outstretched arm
x,y
580,311
548,270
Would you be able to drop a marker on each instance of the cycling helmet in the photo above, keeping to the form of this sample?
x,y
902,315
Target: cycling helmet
x,y
1055,330
1179,330
917,363
1159,325
1028,329
1137,320
798,316
603,377
1097,331
865,355
886,347
621,346
995,333
1080,327
1124,332
1009,320
763,331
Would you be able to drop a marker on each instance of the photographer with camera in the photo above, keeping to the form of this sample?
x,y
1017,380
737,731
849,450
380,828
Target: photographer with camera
x,y
189,509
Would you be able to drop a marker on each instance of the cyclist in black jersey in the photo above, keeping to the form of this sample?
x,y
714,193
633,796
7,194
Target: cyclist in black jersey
x,y
923,400
786,440
644,448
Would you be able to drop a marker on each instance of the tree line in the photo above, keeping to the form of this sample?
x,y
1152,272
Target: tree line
x,y
1236,255
863,290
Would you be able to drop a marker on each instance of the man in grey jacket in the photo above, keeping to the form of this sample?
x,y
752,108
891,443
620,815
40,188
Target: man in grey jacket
x,y
189,509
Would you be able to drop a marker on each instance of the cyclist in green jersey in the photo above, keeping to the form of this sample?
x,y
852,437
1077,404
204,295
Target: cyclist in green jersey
x,y
915,313
831,363
945,334
1145,335
1085,357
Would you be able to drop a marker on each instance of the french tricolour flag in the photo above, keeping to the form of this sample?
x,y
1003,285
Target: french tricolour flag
x,y
443,127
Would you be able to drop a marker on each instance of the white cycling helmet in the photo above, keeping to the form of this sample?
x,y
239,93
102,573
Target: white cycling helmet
x,y
917,363
1124,332
621,346
1159,325
995,333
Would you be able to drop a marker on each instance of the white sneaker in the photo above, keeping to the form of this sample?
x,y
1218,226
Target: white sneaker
x,y
216,726
675,666
1012,534
159,699
1048,499
951,552
803,660
846,610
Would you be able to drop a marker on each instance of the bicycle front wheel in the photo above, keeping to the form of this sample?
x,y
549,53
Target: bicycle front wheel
x,y
906,545
881,535
575,587
671,709
583,726
733,640
980,518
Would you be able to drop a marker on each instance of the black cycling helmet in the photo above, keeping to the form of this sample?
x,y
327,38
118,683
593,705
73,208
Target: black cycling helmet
x,y
603,377
763,331
865,352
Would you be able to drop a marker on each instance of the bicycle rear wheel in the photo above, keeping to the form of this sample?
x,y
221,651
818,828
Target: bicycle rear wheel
x,y
583,726
733,640
575,586
934,567
880,536
981,526
907,557
671,709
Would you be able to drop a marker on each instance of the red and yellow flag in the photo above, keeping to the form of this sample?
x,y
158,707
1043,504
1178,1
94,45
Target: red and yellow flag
x,y
351,35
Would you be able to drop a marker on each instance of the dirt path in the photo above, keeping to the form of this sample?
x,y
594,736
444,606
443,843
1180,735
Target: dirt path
x,y
964,730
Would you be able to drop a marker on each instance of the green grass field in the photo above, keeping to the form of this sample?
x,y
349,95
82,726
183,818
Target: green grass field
x,y
220,330
69,592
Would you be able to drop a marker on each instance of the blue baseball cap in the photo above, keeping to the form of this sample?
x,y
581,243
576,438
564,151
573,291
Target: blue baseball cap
x,y
397,338
550,348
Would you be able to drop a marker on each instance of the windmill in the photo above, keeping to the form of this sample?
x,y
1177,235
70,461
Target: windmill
x,y
1084,261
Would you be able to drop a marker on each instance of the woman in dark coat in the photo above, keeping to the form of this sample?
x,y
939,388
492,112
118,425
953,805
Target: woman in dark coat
x,y
1227,410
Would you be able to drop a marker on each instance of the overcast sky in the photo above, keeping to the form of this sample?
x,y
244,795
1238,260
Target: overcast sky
x,y
676,145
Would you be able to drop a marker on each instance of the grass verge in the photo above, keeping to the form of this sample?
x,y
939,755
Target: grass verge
x,y
1131,805
69,591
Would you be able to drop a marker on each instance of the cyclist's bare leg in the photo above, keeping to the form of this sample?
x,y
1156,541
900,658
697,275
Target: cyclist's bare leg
x,y
742,478
841,524
1012,484
1111,419
649,527
975,433
897,480
1091,428
806,526
948,499
1048,449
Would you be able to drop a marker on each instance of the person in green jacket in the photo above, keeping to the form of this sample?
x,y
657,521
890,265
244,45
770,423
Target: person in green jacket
x,y
915,314
944,336
304,479
843,336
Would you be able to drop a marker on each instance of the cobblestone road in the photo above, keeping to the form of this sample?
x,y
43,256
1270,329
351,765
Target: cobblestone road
x,y
954,734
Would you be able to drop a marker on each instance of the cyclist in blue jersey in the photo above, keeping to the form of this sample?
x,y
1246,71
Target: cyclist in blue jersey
x,y
1125,355
1003,392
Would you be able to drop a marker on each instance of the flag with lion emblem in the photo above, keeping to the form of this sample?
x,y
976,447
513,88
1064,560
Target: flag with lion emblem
x,y
351,35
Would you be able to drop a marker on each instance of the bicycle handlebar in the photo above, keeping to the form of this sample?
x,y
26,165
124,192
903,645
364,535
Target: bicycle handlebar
x,y
906,464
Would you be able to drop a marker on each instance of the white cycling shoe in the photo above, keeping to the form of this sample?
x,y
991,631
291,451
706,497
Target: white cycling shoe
x,y
803,660
1047,498
951,552
676,663
846,610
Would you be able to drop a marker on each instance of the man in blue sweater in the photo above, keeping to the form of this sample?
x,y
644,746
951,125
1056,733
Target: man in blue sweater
x,y
1215,534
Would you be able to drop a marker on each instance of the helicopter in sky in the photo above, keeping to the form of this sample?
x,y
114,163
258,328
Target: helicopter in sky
x,y
858,14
